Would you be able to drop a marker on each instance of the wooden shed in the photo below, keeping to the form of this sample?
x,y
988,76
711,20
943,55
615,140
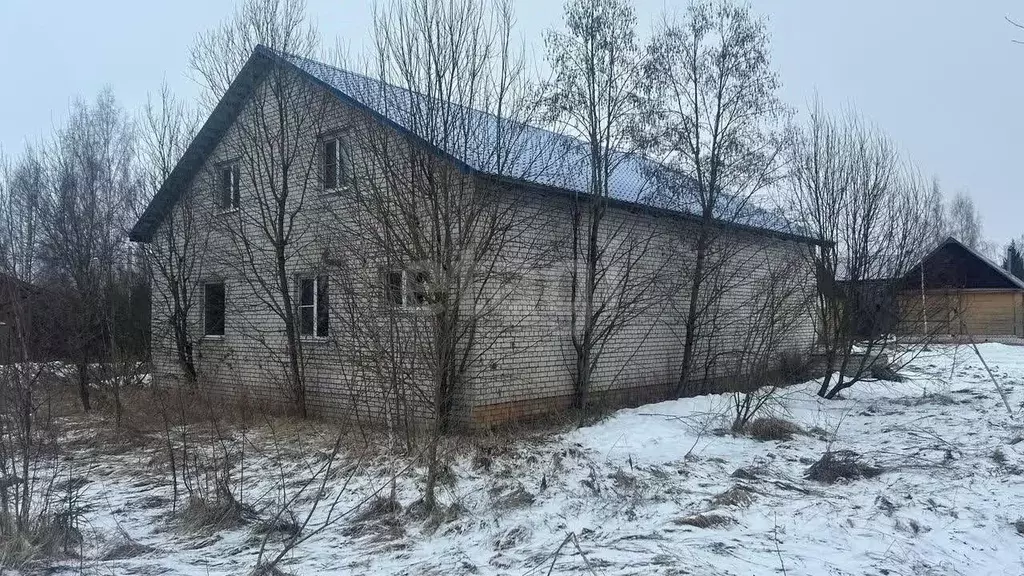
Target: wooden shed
x,y
957,291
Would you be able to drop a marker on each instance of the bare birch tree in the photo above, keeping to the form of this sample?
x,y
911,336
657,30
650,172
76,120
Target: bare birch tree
x,y
436,252
937,212
24,430
25,183
176,251
85,209
276,167
719,128
596,94
964,220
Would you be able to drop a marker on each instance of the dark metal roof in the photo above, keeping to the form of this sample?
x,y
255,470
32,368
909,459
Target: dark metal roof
x,y
537,157
953,264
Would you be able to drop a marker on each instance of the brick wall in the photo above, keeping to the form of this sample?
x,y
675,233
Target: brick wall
x,y
528,370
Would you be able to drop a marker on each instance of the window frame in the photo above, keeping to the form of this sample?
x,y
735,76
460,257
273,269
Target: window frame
x,y
342,163
407,290
389,287
235,199
320,282
206,309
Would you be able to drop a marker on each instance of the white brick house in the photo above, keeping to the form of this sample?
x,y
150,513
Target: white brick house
x,y
341,285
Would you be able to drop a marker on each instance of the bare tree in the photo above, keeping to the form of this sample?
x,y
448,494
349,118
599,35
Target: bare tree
x,y
19,437
276,166
596,94
937,212
176,251
216,56
93,180
1016,25
30,514
719,130
765,360
25,183
852,192
964,220
443,249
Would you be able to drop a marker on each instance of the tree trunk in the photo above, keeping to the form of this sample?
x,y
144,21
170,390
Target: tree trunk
x,y
826,381
83,383
839,387
583,376
584,364
295,377
690,339
183,344
429,498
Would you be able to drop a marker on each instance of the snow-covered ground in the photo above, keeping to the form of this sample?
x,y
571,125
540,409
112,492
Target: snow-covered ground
x,y
626,491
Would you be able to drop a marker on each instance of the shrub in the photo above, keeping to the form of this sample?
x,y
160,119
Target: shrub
x,y
222,512
705,520
771,428
49,536
885,372
841,464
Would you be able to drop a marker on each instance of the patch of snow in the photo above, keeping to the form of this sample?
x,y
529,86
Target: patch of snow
x,y
626,492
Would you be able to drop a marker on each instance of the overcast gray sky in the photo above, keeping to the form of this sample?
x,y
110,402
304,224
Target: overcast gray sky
x,y
942,77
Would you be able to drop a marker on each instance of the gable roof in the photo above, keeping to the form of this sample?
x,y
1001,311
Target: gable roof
x,y
953,264
543,158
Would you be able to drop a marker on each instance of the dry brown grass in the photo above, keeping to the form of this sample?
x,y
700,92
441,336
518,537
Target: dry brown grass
x,y
737,497
51,537
380,517
506,497
841,465
772,428
268,570
284,524
377,508
124,548
222,512
708,520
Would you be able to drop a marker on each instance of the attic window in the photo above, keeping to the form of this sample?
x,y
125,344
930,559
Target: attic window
x,y
336,165
228,189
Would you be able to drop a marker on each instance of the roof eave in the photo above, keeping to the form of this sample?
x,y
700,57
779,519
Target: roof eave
x,y
657,211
